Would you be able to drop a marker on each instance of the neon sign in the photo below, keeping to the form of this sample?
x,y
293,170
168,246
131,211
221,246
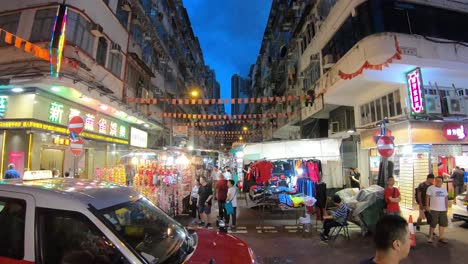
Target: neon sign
x,y
416,91
89,123
55,112
102,124
58,40
454,132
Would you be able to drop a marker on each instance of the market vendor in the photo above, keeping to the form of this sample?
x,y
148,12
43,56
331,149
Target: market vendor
x,y
336,219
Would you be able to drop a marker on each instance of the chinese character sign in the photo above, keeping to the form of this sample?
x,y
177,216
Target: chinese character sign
x,y
3,105
454,132
55,112
73,112
113,129
89,123
123,132
415,90
102,124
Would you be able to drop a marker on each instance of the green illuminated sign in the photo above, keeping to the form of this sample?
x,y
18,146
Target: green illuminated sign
x,y
55,112
3,105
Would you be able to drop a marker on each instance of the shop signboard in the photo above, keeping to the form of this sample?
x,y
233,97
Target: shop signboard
x,y
138,138
3,105
37,175
454,132
415,91
180,131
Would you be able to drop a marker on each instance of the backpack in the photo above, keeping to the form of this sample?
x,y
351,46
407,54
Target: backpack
x,y
416,195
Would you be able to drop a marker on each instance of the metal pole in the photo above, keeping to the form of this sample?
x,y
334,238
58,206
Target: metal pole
x,y
74,166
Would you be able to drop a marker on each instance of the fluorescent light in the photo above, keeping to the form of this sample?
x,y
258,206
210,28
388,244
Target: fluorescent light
x,y
146,125
17,90
103,107
55,88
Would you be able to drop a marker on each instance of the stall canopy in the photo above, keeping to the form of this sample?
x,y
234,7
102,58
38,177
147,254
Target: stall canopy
x,y
327,149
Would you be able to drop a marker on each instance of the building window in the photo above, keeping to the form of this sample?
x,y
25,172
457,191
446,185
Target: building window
x,y
115,63
70,237
387,106
12,219
101,54
79,32
10,22
121,14
43,23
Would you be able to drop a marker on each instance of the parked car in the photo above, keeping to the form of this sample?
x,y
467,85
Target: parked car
x,y
460,210
64,220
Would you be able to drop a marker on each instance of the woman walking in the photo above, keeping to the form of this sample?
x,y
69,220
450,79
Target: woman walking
x,y
232,198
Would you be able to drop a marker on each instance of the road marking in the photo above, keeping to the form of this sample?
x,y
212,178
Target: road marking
x,y
241,227
267,231
238,232
293,227
266,227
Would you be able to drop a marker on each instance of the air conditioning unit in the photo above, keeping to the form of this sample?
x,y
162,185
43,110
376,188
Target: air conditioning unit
x,y
433,104
328,61
455,105
126,6
97,30
115,48
136,19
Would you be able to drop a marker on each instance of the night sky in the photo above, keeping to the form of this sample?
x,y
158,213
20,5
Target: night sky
x,y
230,34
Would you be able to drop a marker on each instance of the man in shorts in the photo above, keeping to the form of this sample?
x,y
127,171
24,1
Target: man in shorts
x,y
205,194
421,198
437,203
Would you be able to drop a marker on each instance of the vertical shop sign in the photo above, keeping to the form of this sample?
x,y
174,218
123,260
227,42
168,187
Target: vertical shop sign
x,y
113,129
415,91
3,105
102,124
58,40
55,112
89,123
123,132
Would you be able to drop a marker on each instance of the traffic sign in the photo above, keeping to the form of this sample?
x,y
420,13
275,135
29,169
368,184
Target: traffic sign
x,y
385,146
76,125
76,146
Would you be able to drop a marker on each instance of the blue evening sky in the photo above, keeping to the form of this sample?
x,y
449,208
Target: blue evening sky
x,y
230,34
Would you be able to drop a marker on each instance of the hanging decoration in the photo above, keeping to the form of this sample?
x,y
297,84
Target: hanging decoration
x,y
219,101
368,66
58,40
225,117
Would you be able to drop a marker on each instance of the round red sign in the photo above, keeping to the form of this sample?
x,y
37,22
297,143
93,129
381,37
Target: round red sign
x,y
76,124
76,146
385,147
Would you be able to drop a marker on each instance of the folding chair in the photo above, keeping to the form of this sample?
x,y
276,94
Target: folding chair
x,y
336,231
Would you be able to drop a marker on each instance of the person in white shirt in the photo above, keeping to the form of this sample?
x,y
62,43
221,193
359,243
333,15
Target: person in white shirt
x,y
437,203
194,200
227,174
214,178
232,197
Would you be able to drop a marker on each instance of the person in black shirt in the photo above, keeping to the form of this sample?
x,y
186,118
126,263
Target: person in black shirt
x,y
392,240
205,195
421,199
354,178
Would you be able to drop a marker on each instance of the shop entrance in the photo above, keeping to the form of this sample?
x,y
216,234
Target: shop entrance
x,y
52,158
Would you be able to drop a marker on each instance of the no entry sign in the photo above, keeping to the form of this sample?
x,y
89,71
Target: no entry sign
x,y
385,146
76,146
76,125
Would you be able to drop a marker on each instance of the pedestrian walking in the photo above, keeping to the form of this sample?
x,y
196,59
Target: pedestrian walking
x,y
437,203
458,182
392,198
421,200
205,194
392,240
194,201
354,178
222,190
11,173
214,178
232,198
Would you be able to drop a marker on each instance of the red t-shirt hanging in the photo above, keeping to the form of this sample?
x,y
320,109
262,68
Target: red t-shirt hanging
x,y
264,169
394,193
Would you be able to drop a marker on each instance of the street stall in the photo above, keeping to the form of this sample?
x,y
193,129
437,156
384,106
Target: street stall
x,y
289,175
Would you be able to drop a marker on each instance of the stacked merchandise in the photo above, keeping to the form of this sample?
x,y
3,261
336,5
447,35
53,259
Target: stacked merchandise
x,y
114,174
186,178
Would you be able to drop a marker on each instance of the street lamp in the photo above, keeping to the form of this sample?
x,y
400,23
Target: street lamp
x,y
241,138
245,128
194,93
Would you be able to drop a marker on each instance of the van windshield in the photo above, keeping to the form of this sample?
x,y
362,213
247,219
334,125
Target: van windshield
x,y
147,229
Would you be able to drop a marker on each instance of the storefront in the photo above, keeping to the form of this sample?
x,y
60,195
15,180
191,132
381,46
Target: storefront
x,y
419,147
34,134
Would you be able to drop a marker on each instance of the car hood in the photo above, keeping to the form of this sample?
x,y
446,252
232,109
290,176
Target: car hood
x,y
221,247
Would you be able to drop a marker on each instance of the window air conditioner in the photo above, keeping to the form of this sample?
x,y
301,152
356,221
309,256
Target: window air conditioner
x,y
433,104
97,30
115,48
126,6
147,36
328,61
455,105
